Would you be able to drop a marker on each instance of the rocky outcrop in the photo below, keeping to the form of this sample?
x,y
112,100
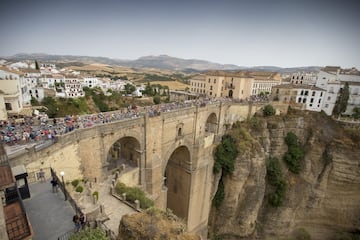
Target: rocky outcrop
x,y
153,225
323,199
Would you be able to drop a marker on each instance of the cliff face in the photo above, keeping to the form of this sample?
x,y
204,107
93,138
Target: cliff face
x,y
323,199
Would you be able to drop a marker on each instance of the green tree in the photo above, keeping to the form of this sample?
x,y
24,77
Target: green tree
x,y
129,88
52,107
225,155
37,65
295,153
156,99
34,102
275,178
268,110
356,113
148,90
342,100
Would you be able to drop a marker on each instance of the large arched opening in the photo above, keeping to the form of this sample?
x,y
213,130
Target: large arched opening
x,y
125,154
211,124
177,181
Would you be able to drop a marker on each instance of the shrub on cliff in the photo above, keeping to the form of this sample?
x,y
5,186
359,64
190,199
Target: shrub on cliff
x,y
295,153
268,110
275,178
225,155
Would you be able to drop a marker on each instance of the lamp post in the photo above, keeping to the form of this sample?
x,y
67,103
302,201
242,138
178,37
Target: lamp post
x,y
62,179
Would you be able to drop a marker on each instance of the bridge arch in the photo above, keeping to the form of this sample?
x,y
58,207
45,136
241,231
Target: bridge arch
x,y
211,124
126,151
177,180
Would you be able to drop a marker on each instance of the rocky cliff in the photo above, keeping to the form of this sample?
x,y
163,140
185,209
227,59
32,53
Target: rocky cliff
x,y
321,202
153,224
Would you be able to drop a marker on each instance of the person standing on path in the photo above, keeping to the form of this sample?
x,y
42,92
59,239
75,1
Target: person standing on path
x,y
54,184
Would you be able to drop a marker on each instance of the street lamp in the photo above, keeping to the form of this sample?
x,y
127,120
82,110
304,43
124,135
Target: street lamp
x,y
62,179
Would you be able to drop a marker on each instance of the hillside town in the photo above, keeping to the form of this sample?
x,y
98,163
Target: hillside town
x,y
27,130
22,82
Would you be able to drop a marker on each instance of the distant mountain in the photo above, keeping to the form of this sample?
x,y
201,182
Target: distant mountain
x,y
159,62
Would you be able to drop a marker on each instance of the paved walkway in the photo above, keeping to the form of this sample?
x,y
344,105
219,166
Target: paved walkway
x,y
114,208
50,215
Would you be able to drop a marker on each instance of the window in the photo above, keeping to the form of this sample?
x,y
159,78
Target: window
x,y
211,88
299,100
179,132
302,92
311,100
304,100
209,80
306,93
321,94
319,100
313,93
210,93
326,105
8,106
329,98
214,80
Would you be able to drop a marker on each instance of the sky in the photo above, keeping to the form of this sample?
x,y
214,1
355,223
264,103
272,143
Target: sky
x,y
284,33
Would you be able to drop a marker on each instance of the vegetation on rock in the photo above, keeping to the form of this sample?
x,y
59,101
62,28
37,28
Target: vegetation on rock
x,y
225,155
342,100
90,234
275,178
134,193
295,153
268,110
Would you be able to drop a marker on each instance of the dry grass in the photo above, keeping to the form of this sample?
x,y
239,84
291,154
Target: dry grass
x,y
173,85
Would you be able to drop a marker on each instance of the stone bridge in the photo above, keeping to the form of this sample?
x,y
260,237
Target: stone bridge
x,y
170,155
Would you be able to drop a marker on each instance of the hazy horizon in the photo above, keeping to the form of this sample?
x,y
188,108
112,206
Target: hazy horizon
x,y
245,33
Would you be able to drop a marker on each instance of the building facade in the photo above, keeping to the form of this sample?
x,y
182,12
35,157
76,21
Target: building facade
x,y
306,78
10,86
304,97
237,85
333,79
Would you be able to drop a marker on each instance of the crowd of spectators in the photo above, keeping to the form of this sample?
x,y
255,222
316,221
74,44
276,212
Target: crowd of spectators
x,y
40,128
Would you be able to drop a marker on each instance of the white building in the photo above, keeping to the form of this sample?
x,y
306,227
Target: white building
x,y
311,96
37,93
73,87
90,82
307,78
10,86
333,80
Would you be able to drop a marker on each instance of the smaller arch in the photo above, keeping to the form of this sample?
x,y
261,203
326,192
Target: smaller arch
x,y
211,124
231,93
